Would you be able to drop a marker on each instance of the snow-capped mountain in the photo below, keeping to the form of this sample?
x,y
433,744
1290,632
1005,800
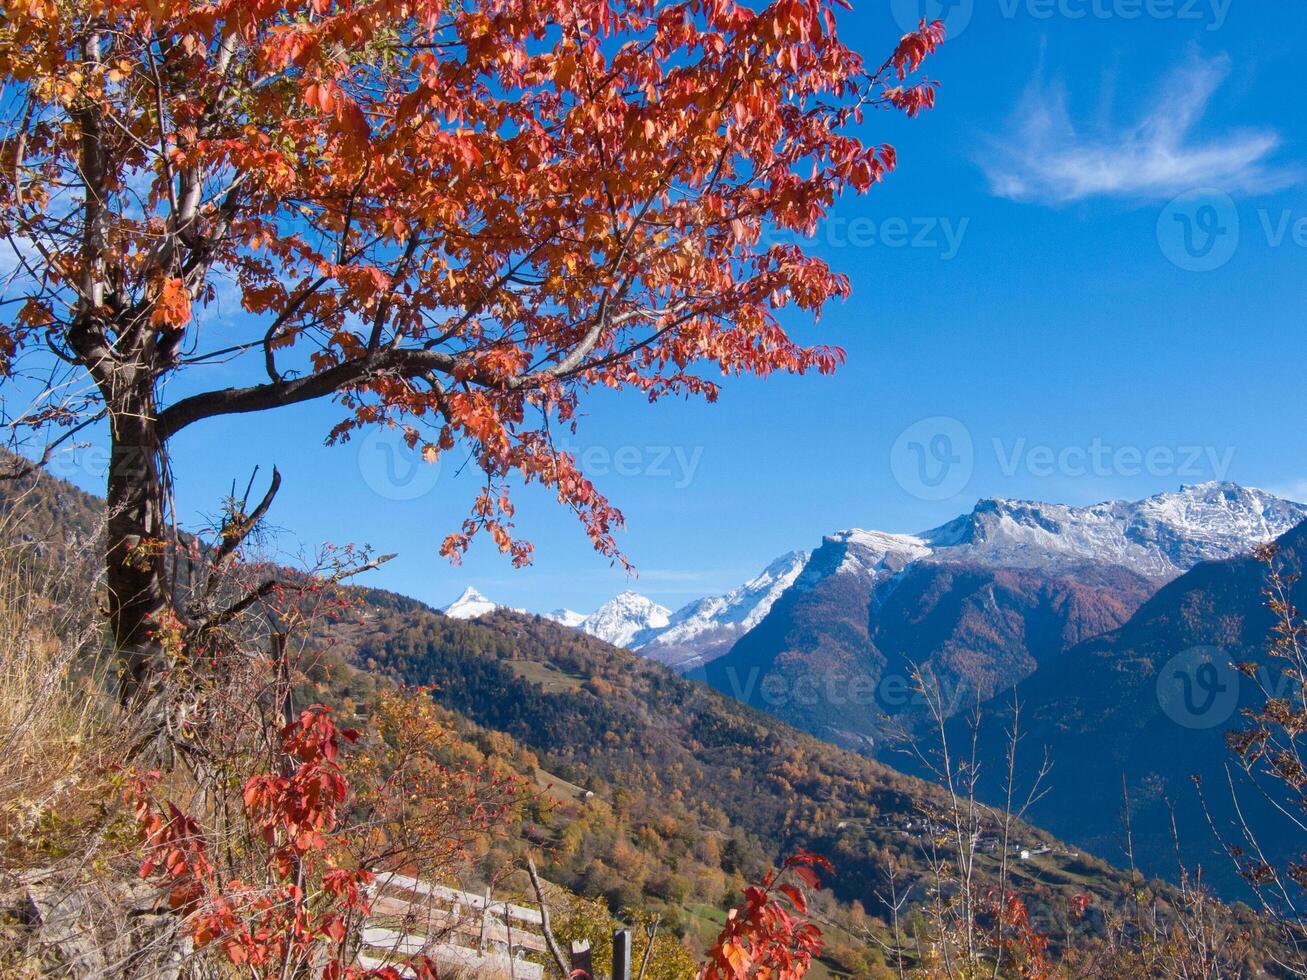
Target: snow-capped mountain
x,y
469,605
1155,539
707,627
869,552
982,601
619,620
472,604
1116,705
696,632
1158,537
568,617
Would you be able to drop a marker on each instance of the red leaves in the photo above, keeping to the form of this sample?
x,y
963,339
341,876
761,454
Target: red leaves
x,y
765,939
321,95
915,46
795,896
174,845
299,891
803,865
512,205
912,100
292,812
1079,906
172,304
1019,946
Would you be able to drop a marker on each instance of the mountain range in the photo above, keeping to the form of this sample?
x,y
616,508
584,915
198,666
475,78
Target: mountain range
x,y
694,634
1085,614
639,787
977,604
830,640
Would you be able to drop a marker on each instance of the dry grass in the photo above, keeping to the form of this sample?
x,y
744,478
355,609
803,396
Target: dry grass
x,y
53,701
70,904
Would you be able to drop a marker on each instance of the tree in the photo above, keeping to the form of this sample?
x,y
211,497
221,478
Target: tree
x,y
455,218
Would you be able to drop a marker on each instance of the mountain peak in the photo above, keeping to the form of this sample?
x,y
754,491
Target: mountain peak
x,y
1158,537
469,605
707,627
622,618
567,617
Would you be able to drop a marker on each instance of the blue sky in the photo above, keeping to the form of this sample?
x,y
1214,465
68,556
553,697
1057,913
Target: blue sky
x,y
1085,281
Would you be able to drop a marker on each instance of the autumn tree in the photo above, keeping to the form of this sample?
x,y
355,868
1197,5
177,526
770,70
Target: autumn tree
x,y
455,218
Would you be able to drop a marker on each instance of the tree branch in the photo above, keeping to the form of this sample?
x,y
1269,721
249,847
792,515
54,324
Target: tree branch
x,y
277,394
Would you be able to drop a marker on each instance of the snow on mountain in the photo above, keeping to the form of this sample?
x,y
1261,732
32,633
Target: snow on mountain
x,y
568,617
697,631
1158,537
982,601
469,605
619,620
872,552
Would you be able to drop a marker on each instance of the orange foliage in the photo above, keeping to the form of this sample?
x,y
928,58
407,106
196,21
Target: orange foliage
x,y
453,217
769,938
307,890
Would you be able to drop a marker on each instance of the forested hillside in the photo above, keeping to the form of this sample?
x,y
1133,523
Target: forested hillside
x,y
659,796
1143,713
674,760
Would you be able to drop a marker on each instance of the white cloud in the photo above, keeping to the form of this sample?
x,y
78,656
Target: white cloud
x,y
1046,157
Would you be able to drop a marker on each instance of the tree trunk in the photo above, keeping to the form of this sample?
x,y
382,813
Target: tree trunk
x,y
137,532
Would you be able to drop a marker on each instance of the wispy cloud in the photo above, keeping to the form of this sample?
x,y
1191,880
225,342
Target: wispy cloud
x,y
1047,157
